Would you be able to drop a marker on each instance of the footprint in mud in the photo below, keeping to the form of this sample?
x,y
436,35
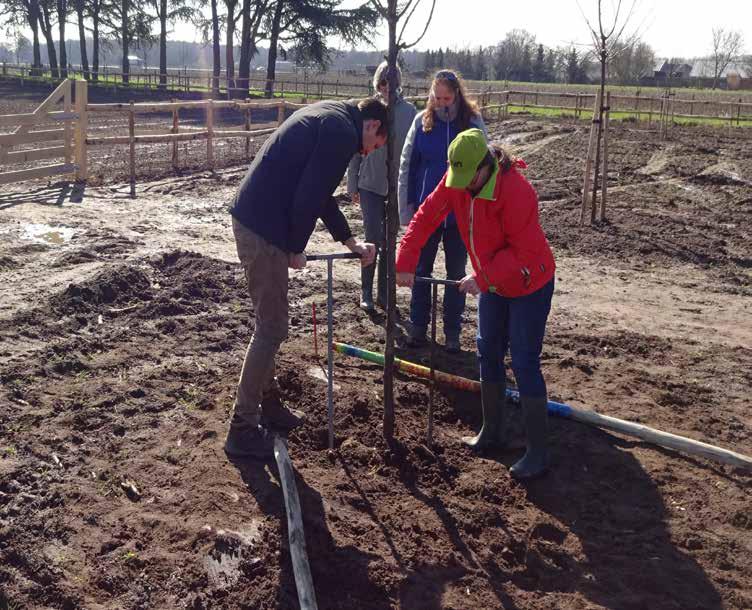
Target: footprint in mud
x,y
8,263
232,555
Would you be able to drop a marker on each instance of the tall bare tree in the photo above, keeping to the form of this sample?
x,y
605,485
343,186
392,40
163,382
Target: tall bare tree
x,y
20,13
252,12
45,23
398,16
127,23
231,22
62,18
607,42
728,46
167,13
80,7
95,11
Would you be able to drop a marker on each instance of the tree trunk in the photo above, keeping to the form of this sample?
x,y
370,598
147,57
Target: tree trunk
x,y
271,65
62,10
217,60
599,137
82,39
33,20
244,68
125,37
229,52
391,222
44,23
163,44
95,42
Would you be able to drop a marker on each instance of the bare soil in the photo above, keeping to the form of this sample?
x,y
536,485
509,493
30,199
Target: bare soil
x,y
121,345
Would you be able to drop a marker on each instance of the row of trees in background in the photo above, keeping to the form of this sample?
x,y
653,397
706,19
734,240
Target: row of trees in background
x,y
519,57
300,27
298,30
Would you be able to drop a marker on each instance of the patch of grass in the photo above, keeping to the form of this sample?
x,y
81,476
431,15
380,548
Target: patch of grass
x,y
190,398
622,116
8,452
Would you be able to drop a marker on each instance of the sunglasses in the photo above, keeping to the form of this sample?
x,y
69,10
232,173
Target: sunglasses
x,y
447,75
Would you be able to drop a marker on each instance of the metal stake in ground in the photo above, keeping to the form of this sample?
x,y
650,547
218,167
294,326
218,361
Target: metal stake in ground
x,y
431,388
329,258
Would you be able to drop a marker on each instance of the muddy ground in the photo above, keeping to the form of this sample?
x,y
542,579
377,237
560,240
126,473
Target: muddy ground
x,y
124,323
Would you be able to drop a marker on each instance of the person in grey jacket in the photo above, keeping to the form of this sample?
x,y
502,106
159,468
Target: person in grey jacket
x,y
423,165
367,184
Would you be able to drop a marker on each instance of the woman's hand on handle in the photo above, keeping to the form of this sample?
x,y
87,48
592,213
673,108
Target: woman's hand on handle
x,y
468,285
367,251
405,279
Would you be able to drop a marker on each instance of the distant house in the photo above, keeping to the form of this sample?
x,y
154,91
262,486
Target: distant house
x,y
665,70
280,67
135,61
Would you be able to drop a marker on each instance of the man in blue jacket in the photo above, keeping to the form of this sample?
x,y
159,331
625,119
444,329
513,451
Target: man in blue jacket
x,y
289,185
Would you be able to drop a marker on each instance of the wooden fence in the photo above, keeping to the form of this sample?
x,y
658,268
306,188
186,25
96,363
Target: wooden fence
x,y
69,140
73,139
649,108
173,135
196,80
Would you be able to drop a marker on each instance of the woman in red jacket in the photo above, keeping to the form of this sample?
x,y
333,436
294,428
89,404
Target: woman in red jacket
x,y
497,216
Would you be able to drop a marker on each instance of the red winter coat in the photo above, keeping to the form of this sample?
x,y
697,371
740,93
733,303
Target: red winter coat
x,y
500,227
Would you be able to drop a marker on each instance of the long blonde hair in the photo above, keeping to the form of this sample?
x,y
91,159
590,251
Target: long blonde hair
x,y
467,109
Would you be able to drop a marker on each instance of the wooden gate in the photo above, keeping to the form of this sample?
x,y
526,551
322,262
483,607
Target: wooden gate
x,y
69,141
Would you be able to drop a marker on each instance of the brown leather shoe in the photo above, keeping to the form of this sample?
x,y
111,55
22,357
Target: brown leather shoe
x,y
275,413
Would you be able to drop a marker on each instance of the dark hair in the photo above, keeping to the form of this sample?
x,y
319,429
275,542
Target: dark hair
x,y
499,154
375,110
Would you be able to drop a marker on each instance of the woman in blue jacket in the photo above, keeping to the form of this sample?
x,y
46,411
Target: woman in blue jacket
x,y
423,164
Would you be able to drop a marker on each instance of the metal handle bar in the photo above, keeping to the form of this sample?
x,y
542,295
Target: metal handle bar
x,y
329,257
431,280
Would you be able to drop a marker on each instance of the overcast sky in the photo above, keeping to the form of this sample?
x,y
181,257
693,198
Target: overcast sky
x,y
674,28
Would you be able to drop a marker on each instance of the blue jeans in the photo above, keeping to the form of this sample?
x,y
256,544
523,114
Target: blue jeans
x,y
518,324
455,256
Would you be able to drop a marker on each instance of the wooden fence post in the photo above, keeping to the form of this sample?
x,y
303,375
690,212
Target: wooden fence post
x,y
587,182
604,179
210,134
132,147
739,113
637,105
82,171
175,128
247,128
68,130
281,113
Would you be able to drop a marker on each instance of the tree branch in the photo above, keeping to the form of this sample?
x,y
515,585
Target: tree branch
x,y
425,29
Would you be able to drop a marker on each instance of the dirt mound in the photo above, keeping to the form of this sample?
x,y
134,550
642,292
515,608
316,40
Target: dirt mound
x,y
117,286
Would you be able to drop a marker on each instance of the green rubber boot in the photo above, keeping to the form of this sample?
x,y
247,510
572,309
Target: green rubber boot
x,y
535,461
493,433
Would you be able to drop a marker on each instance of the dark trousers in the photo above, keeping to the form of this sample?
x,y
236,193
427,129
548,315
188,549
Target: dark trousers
x,y
455,256
517,324
372,206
